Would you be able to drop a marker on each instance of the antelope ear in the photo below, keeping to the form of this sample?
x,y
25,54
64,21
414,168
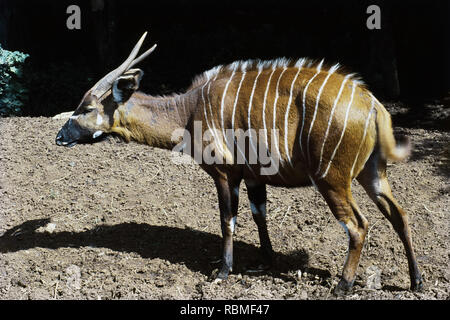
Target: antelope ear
x,y
124,86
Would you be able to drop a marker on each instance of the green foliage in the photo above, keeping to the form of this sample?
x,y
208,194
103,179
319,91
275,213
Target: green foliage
x,y
13,93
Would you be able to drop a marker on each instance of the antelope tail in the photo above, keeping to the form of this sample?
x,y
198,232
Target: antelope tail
x,y
390,149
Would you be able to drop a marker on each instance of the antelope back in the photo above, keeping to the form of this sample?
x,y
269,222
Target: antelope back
x,y
303,113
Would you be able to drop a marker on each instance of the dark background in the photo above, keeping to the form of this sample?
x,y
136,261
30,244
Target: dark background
x,y
407,60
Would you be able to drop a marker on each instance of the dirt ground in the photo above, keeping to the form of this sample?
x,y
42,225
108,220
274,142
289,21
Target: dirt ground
x,y
121,221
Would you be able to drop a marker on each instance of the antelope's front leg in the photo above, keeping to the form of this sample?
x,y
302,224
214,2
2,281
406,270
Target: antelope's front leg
x,y
228,192
257,195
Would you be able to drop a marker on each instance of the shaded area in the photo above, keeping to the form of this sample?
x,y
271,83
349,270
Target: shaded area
x,y
195,249
435,115
440,149
408,59
431,147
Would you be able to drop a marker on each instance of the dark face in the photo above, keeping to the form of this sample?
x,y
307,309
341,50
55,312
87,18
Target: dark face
x,y
89,123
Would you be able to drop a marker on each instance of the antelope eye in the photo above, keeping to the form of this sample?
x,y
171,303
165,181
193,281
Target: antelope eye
x,y
86,111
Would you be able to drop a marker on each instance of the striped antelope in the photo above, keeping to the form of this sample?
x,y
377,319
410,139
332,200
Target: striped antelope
x,y
330,130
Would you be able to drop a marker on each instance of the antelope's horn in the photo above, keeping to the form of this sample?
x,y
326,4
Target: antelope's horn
x,y
142,57
102,86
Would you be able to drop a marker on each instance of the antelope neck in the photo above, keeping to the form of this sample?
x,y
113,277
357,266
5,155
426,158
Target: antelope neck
x,y
152,120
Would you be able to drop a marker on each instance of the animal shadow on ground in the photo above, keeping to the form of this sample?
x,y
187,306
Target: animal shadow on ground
x,y
439,148
195,249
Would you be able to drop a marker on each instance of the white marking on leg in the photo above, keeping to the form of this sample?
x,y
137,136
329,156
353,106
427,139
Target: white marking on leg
x,y
258,210
364,136
345,228
330,72
74,117
343,131
330,120
232,224
236,191
348,237
319,67
286,115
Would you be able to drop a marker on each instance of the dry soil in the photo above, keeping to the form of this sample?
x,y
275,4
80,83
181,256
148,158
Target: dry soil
x,y
122,221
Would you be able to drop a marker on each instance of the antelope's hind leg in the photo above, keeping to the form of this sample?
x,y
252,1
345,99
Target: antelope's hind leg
x,y
346,211
374,180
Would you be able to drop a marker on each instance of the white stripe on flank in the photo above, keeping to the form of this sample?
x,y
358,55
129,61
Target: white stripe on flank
x,y
214,130
204,106
222,104
330,119
376,100
250,110
274,135
364,136
277,95
264,117
236,100
233,116
286,115
264,107
330,72
319,67
343,130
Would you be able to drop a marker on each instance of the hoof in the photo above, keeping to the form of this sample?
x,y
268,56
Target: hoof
x,y
417,284
223,274
343,288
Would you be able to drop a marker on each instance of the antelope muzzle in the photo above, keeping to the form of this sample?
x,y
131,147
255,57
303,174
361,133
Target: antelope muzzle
x,y
72,133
